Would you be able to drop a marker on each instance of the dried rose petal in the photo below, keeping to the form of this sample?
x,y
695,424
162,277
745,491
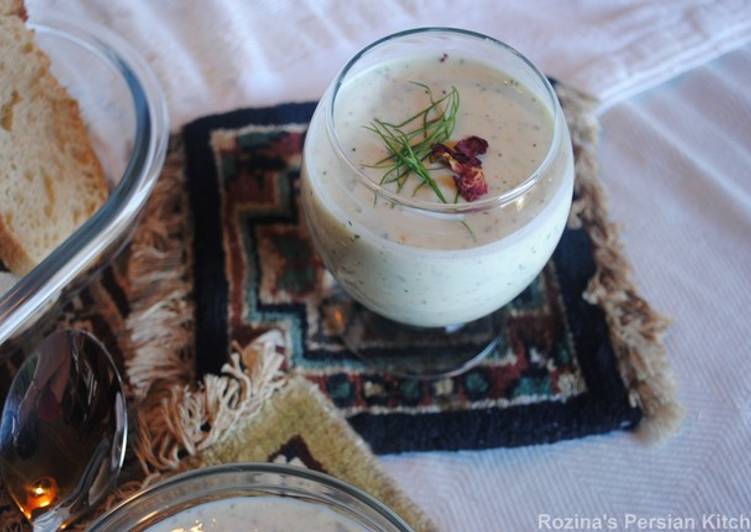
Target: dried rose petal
x,y
469,160
472,146
441,152
468,175
471,183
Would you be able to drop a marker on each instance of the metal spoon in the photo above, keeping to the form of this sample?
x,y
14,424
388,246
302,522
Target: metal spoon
x,y
63,429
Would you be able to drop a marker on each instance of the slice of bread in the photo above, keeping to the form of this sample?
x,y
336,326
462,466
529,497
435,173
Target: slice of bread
x,y
50,178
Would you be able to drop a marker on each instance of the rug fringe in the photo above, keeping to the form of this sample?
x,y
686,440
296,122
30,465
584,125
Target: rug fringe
x,y
161,319
176,416
636,329
183,420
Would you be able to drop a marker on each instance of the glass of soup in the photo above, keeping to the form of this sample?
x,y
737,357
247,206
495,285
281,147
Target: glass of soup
x,y
251,496
437,180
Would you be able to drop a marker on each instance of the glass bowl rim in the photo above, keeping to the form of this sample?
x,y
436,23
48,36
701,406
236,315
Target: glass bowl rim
x,y
448,209
80,250
282,470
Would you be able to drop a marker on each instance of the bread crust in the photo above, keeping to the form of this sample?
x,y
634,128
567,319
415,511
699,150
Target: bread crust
x,y
12,254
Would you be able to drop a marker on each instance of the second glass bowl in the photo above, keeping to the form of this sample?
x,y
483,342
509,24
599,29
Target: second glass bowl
x,y
298,488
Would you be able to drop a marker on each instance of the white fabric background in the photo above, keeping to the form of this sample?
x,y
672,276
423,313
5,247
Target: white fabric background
x,y
675,161
214,55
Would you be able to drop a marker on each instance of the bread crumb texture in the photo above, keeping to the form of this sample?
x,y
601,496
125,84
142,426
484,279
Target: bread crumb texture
x,y
50,178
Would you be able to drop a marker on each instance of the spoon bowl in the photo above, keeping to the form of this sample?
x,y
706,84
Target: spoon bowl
x,y
63,429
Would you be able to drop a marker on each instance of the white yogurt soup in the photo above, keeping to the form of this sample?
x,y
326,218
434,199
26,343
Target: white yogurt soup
x,y
425,266
257,514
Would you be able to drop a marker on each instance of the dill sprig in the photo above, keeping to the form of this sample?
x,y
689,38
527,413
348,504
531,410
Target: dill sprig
x,y
409,143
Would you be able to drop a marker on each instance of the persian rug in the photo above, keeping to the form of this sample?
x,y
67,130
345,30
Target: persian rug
x,y
568,360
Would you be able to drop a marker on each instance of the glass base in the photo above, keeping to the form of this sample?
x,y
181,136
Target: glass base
x,y
395,348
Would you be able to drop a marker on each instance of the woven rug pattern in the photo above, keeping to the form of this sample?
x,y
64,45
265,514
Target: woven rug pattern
x,y
554,375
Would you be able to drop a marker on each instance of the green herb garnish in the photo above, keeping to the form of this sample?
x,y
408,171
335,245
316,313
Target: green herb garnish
x,y
409,143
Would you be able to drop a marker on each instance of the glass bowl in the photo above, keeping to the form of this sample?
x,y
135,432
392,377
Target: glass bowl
x,y
310,489
126,115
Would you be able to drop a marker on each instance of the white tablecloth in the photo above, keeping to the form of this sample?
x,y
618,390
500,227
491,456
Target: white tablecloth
x,y
675,161
676,164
